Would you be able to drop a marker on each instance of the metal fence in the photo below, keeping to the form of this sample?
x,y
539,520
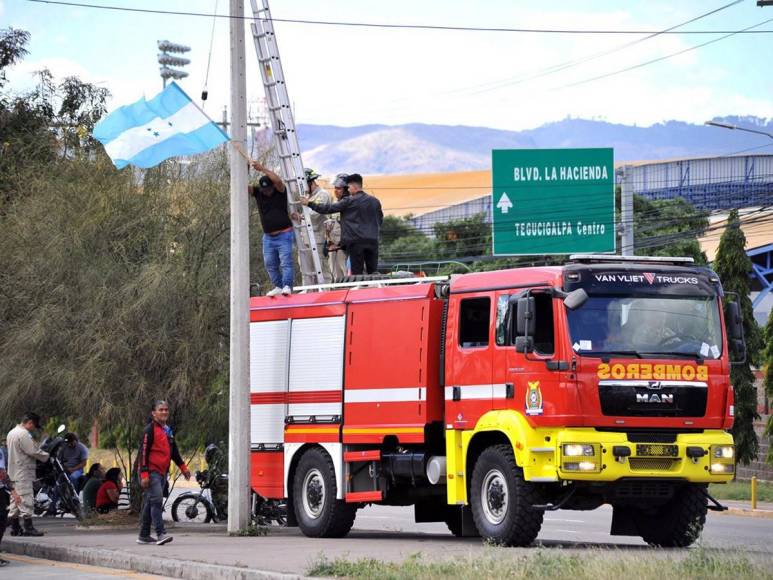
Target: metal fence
x,y
711,183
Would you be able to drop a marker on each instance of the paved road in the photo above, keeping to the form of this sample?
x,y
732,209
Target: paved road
x,y
390,534
572,528
36,569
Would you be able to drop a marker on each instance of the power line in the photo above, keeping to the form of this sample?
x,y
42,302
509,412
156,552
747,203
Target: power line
x,y
386,25
486,87
662,58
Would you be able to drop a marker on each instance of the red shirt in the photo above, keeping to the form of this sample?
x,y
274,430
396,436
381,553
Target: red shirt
x,y
158,450
103,500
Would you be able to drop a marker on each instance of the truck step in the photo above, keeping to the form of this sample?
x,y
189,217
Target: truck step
x,y
364,496
370,455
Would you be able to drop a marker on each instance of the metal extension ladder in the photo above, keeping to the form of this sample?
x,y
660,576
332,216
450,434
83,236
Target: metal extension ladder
x,y
285,137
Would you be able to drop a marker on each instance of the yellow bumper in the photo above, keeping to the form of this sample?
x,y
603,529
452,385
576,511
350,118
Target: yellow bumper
x,y
539,452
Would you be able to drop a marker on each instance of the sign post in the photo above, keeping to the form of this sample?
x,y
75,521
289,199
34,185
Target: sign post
x,y
553,201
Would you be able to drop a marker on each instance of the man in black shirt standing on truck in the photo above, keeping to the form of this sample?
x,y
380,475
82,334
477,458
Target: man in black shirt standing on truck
x,y
361,219
271,196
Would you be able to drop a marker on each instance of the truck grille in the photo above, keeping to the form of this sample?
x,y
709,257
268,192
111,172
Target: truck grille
x,y
638,488
653,463
653,398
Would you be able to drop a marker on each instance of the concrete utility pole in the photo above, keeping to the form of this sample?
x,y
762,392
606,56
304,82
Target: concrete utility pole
x,y
626,213
239,380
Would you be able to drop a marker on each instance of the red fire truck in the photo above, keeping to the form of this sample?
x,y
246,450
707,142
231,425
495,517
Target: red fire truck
x,y
486,399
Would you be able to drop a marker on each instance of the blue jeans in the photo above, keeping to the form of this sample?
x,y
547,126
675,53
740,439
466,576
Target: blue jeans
x,y
278,253
75,478
153,505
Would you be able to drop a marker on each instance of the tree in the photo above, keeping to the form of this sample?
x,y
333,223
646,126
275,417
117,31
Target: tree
x,y
13,44
768,363
668,227
733,267
402,243
463,237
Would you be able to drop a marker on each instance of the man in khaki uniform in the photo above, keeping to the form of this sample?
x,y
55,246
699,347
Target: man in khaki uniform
x,y
23,455
336,255
321,196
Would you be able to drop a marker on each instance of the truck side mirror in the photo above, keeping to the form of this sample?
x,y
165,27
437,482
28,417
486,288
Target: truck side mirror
x,y
525,324
735,337
524,316
734,321
576,298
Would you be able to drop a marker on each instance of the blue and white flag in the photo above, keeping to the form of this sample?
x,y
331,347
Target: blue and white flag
x,y
147,132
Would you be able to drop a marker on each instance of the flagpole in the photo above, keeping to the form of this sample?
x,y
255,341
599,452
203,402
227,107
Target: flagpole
x,y
239,378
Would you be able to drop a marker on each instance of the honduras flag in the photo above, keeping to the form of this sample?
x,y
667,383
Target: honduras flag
x,y
147,132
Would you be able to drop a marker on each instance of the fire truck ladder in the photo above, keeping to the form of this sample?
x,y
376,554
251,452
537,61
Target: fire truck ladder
x,y
285,137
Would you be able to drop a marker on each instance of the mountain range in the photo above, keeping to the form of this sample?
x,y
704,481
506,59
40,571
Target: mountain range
x,y
420,148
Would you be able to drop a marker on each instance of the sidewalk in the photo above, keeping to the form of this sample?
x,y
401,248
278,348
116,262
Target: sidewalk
x,y
205,552
198,552
744,508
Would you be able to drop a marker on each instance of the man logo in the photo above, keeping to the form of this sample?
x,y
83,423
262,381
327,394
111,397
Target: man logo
x,y
655,398
650,277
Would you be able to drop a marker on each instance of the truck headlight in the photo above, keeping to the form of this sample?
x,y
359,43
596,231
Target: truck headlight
x,y
580,457
722,459
578,450
580,466
723,451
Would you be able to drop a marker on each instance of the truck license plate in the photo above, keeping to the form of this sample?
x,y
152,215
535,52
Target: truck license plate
x,y
656,450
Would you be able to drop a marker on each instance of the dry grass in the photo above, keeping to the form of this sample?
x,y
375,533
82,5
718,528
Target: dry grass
x,y
552,564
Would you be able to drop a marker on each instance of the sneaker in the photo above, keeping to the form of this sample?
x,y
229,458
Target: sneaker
x,y
286,291
275,292
163,539
146,540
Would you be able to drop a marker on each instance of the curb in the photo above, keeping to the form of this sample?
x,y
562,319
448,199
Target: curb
x,y
146,564
747,512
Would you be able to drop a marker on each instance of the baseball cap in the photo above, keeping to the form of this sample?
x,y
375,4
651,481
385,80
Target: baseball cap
x,y
340,180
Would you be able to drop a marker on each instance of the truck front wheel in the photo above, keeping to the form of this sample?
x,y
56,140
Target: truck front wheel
x,y
502,500
678,523
318,512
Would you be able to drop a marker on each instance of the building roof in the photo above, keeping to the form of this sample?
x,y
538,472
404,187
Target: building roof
x,y
419,193
756,224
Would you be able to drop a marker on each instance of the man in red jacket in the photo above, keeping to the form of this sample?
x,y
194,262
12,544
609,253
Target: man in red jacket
x,y
157,451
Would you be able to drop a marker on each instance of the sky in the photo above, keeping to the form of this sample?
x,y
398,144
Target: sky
x,y
353,76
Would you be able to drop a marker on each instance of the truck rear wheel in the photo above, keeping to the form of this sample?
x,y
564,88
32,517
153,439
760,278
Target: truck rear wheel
x,y
678,523
502,499
319,513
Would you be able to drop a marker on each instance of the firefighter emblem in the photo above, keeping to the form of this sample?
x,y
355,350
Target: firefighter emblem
x,y
534,399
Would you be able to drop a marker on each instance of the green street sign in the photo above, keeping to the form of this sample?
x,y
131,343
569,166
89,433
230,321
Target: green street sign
x,y
552,201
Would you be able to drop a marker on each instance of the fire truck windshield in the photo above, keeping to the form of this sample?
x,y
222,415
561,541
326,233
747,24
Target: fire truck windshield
x,y
647,326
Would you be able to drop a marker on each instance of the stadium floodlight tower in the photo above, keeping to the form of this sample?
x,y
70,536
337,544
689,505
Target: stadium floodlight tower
x,y
167,60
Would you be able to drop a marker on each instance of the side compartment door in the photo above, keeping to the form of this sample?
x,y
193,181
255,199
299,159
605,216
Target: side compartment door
x,y
269,357
469,389
316,370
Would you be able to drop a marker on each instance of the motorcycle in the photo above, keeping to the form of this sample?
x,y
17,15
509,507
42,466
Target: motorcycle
x,y
54,492
210,504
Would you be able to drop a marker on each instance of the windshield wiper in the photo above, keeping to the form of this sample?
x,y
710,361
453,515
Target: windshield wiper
x,y
695,355
611,353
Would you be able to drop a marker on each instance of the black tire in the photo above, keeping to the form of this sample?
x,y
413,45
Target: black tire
x,y
69,502
189,507
677,524
453,522
502,500
318,512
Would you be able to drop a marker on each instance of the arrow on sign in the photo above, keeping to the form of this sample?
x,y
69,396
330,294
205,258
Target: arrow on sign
x,y
504,203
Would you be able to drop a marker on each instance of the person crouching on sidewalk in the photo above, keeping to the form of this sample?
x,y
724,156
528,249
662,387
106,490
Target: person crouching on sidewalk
x,y
157,451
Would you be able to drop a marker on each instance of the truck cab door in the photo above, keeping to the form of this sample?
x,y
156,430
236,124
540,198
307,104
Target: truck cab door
x,y
468,359
538,383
